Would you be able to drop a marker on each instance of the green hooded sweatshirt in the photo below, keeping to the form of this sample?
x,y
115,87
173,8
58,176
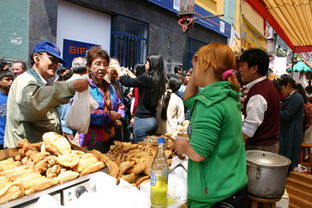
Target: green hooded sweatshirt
x,y
216,135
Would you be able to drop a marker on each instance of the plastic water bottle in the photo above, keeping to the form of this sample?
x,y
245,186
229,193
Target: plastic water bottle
x,y
159,177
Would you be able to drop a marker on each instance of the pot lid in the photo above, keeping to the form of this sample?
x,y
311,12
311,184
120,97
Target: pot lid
x,y
266,158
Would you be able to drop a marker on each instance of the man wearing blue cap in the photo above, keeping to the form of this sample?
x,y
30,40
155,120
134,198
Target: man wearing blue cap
x,y
31,103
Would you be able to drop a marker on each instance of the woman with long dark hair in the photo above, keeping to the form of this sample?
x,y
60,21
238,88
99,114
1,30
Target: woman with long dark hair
x,y
138,70
151,86
292,113
172,108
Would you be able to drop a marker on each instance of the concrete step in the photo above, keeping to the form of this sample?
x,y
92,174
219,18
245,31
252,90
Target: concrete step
x,y
301,176
294,191
299,202
298,184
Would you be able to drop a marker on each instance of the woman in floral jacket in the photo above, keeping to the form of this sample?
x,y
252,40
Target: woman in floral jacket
x,y
110,108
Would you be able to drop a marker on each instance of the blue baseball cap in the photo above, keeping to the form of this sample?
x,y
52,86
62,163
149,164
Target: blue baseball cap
x,y
49,47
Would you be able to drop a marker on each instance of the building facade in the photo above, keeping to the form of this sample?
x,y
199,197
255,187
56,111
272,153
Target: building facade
x,y
127,29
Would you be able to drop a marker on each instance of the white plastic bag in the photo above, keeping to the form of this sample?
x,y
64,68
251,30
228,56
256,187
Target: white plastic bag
x,y
78,117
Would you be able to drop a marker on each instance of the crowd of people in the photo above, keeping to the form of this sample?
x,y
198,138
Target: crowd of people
x,y
225,120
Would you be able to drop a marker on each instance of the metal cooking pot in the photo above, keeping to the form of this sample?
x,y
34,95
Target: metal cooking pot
x,y
267,173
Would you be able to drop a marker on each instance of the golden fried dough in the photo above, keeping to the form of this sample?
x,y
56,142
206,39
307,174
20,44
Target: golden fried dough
x,y
124,166
49,148
170,144
78,152
92,168
148,164
136,169
3,180
142,154
168,153
130,178
101,156
139,180
68,160
86,160
112,168
28,180
53,171
14,171
37,156
8,164
66,176
40,183
129,146
11,191
57,141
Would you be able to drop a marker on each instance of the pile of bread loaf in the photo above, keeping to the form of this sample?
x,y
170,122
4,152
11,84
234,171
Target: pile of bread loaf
x,y
39,166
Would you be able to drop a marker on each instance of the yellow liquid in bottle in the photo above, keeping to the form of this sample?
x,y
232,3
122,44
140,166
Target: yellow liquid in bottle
x,y
159,193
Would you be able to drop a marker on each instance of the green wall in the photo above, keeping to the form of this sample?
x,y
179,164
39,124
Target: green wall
x,y
229,11
14,29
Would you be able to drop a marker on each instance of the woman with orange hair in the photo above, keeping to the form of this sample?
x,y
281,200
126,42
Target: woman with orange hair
x,y
217,163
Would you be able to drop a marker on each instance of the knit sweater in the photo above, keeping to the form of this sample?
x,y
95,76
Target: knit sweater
x,y
267,132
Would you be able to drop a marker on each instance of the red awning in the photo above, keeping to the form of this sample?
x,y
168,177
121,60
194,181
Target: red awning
x,y
292,21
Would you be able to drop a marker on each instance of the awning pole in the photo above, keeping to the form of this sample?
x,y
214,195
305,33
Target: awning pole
x,y
292,64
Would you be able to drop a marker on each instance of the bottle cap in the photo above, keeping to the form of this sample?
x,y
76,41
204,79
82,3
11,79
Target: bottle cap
x,y
161,140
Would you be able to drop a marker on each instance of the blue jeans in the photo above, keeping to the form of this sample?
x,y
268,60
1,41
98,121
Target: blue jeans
x,y
143,127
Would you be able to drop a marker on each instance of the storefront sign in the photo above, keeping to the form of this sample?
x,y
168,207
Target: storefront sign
x,y
73,49
216,24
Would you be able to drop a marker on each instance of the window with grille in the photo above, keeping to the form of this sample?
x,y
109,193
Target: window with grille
x,y
193,46
129,40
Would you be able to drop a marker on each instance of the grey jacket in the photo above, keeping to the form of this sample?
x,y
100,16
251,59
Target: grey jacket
x,y
31,107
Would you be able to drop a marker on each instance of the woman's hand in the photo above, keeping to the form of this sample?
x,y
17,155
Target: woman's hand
x,y
114,115
179,145
80,85
183,146
128,72
191,89
116,68
118,122
132,121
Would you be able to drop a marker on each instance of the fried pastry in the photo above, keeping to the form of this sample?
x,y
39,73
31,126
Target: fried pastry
x,y
8,164
28,180
139,180
78,152
128,146
40,183
112,168
136,169
58,141
14,171
53,171
130,178
124,166
38,156
66,176
85,161
68,160
49,148
101,156
11,191
92,168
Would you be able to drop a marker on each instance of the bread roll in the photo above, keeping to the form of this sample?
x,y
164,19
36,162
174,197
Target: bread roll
x,y
57,141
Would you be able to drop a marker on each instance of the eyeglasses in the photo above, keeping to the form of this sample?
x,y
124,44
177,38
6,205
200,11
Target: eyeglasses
x,y
52,58
98,65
